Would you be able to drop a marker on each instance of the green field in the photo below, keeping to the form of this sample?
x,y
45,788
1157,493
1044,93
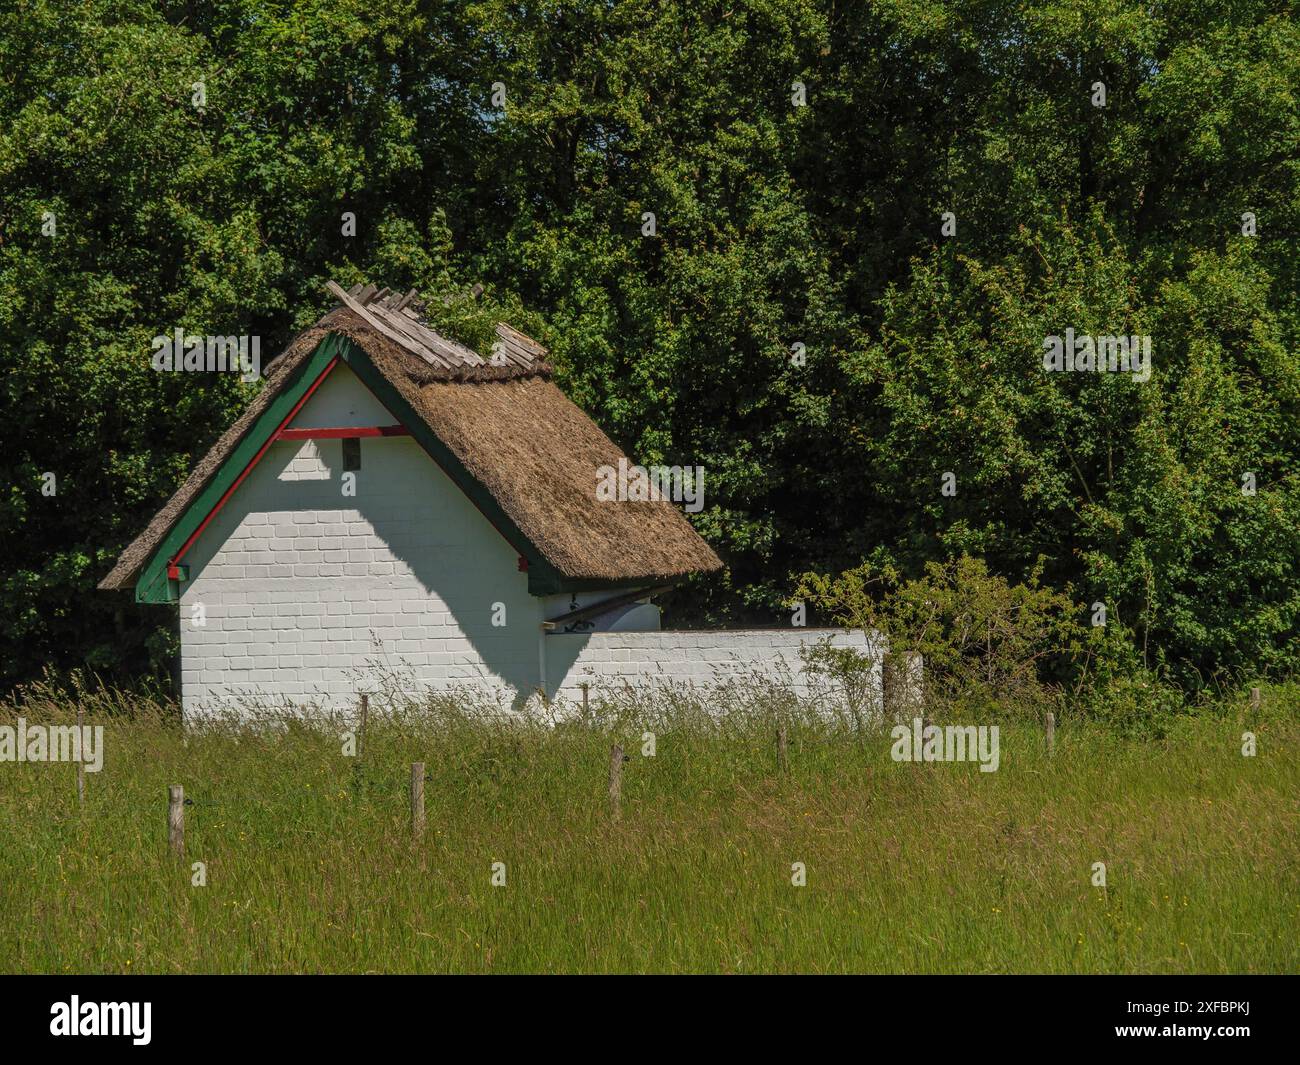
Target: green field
x,y
311,866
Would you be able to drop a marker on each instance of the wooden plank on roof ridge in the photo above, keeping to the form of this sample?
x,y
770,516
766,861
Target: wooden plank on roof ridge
x,y
367,316
467,354
506,330
514,344
410,295
448,351
512,354
455,353
420,338
513,350
367,294
426,338
355,289
412,335
413,342
398,320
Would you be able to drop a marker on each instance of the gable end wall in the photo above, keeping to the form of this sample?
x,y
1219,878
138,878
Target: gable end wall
x,y
302,588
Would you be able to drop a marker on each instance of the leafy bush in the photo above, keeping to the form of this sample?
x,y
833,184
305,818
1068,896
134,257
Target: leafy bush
x,y
984,641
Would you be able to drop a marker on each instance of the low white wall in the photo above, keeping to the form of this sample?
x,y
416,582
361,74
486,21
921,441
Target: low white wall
x,y
614,661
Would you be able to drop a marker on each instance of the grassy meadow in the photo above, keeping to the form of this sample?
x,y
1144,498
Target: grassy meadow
x,y
311,865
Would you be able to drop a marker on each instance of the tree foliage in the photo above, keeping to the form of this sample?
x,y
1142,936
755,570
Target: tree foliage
x,y
776,225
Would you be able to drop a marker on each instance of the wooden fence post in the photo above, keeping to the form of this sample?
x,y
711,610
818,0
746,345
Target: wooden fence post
x,y
585,694
81,762
176,819
1254,702
1051,733
782,749
616,781
417,800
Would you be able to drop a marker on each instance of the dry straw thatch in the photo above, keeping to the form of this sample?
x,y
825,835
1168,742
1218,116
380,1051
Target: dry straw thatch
x,y
514,431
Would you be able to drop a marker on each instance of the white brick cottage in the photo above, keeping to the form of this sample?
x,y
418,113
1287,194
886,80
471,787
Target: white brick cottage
x,y
393,502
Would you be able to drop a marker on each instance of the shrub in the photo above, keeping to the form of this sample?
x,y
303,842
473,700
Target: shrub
x,y
984,640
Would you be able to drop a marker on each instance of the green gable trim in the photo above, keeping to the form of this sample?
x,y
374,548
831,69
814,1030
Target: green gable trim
x,y
543,578
153,585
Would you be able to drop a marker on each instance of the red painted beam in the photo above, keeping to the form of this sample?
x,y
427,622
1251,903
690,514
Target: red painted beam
x,y
172,571
343,433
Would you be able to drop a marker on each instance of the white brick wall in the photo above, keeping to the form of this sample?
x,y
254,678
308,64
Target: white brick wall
x,y
610,661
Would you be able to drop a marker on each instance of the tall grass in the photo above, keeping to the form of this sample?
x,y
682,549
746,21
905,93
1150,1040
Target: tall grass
x,y
910,868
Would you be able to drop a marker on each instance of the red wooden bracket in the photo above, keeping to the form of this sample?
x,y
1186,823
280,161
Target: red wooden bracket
x,y
343,433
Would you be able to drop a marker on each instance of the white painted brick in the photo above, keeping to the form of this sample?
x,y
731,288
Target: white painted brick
x,y
688,658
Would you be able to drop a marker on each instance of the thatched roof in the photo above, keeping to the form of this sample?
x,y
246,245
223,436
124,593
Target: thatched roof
x,y
532,449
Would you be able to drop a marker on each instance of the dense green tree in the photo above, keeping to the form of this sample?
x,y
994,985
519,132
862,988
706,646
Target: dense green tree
x,y
799,158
